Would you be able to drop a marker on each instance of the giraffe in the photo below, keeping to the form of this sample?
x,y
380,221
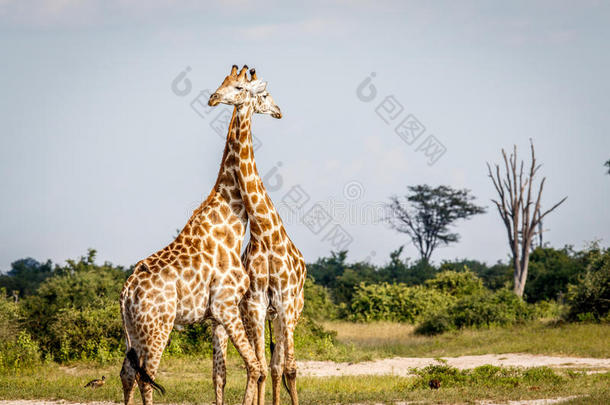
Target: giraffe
x,y
198,275
264,105
274,264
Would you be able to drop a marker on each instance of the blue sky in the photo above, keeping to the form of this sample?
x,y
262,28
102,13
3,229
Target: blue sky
x,y
97,150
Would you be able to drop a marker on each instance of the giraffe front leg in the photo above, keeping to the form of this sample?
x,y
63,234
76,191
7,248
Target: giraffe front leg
x,y
219,369
228,315
254,314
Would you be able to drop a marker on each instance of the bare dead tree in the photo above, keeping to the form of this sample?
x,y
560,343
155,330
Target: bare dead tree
x,y
519,208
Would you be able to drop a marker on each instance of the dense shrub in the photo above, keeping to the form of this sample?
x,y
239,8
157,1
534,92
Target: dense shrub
x,y
78,303
493,277
490,309
87,333
483,309
396,302
318,304
17,349
435,324
341,279
312,340
457,284
193,339
19,352
9,317
550,272
589,299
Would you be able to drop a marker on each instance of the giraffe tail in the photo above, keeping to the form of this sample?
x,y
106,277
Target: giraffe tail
x,y
272,349
132,356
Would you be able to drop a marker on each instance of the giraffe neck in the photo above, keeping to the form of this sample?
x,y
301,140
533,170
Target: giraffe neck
x,y
226,182
261,212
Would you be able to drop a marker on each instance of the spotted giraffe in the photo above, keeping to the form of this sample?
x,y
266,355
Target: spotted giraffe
x,y
275,266
197,276
264,105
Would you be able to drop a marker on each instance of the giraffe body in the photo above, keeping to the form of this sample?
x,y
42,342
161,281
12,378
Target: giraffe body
x,y
199,275
275,266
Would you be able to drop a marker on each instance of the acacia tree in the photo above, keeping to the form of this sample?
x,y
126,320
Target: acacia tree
x,y
519,208
426,213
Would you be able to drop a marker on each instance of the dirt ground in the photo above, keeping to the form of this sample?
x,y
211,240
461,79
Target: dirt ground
x,y
401,366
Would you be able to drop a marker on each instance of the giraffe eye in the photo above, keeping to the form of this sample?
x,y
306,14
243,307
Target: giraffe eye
x,y
239,88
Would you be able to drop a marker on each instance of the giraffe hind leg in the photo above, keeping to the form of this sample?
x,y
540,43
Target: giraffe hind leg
x,y
277,362
142,374
148,357
255,308
128,379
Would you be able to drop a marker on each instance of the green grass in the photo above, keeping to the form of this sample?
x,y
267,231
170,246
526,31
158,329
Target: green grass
x,y
188,380
386,339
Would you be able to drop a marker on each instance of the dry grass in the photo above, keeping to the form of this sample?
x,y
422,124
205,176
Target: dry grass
x,y
372,335
385,339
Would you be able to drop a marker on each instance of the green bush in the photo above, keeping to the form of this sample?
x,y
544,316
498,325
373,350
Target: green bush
x,y
457,284
589,299
20,352
548,310
17,349
9,317
311,339
435,325
74,313
483,309
191,340
490,309
318,304
484,376
396,302
550,271
87,333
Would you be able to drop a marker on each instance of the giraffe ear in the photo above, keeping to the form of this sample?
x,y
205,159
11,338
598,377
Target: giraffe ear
x,y
257,87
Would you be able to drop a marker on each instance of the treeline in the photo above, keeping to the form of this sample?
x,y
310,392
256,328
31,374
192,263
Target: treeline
x,y
563,283
52,312
551,272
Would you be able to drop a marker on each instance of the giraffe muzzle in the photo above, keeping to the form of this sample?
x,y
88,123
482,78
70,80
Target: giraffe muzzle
x,y
276,113
214,100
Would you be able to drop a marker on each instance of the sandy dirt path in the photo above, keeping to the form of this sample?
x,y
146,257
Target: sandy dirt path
x,y
401,366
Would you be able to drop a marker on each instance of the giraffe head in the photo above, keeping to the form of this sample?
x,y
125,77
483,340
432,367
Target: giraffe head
x,y
237,90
